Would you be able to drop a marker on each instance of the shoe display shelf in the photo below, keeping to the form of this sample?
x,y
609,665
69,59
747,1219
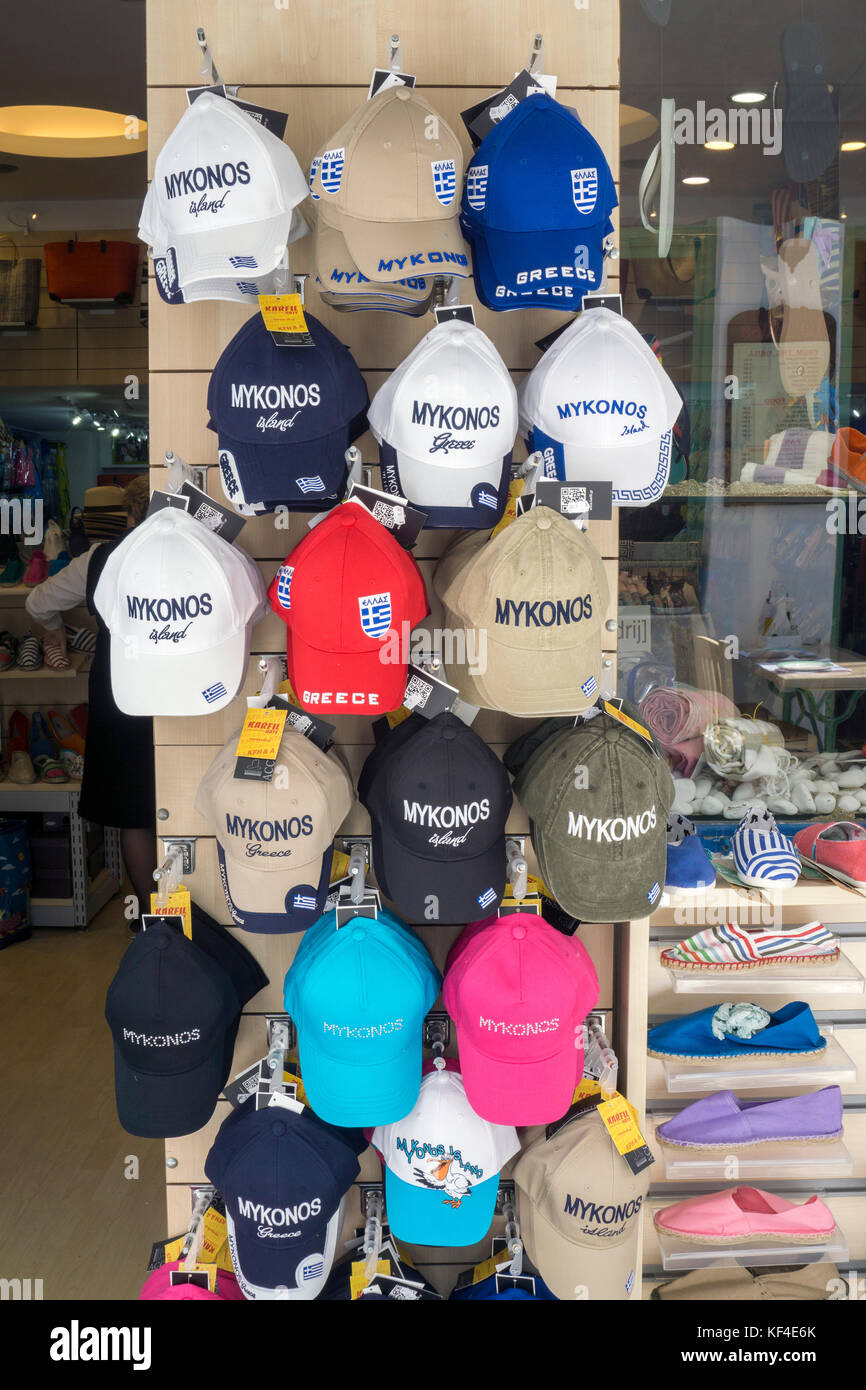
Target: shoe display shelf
x,y
758,1163
832,1067
79,665
836,977
680,1255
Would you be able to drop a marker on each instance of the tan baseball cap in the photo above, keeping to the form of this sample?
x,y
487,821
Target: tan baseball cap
x,y
539,591
394,174
579,1206
275,839
338,272
811,1284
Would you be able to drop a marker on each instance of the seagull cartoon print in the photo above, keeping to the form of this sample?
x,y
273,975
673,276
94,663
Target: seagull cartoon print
x,y
456,1184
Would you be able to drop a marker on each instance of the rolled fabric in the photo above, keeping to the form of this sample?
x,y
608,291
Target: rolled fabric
x,y
735,748
676,716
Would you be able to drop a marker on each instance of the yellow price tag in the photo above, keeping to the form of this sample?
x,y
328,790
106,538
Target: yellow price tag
x,y
358,1280
283,313
515,488
586,1088
285,688
262,734
396,716
177,904
628,721
621,1120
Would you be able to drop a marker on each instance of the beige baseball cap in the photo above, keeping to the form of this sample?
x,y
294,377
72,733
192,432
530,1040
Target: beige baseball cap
x,y
580,1206
338,272
538,590
394,174
275,839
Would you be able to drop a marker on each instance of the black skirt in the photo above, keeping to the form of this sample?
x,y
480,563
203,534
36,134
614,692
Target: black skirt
x,y
118,787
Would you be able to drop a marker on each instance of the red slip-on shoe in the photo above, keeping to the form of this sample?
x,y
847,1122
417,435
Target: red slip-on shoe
x,y
746,1213
37,570
840,846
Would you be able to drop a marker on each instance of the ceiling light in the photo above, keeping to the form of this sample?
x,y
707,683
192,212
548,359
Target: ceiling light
x,y
694,179
115,432
719,145
856,414
748,98
850,146
76,419
69,132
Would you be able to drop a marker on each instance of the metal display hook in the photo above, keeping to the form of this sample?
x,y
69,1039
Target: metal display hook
x,y
192,1243
167,876
373,1208
518,869
536,57
395,53
279,1041
359,863
505,1202
208,68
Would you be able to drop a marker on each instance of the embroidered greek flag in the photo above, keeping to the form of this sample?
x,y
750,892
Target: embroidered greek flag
x,y
653,893
247,286
313,1270
284,585
214,692
375,610
313,484
331,170
304,901
584,189
590,687
444,180
476,186
244,262
487,898
487,499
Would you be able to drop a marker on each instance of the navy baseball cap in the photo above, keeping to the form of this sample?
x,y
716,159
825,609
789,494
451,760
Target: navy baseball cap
x,y
536,208
438,799
502,1291
283,1174
173,1009
358,994
285,417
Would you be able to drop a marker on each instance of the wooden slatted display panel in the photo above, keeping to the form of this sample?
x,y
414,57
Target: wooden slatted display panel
x,y
313,59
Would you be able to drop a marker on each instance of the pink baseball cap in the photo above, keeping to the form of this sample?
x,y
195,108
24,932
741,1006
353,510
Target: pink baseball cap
x,y
518,992
159,1288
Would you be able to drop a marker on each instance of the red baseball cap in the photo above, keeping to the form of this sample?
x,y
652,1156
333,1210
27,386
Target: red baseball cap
x,y
158,1288
341,592
518,991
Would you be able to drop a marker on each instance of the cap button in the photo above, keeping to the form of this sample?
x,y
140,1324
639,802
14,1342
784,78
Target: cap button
x,y
358,934
542,521
347,518
162,943
277,1128
449,734
402,93
518,933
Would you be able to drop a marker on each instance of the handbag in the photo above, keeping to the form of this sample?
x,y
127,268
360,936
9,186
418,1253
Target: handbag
x,y
19,288
92,270
78,541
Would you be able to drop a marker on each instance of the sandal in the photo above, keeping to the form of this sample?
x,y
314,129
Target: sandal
x,y
47,765
64,733
21,769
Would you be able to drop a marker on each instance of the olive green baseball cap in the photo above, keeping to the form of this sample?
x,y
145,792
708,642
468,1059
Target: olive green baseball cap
x,y
598,796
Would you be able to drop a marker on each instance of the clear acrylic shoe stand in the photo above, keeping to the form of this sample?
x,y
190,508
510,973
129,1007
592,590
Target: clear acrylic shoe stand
x,y
761,1162
832,1067
678,1254
840,977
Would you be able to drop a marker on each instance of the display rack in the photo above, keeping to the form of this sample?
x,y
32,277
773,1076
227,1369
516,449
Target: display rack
x,y
680,1255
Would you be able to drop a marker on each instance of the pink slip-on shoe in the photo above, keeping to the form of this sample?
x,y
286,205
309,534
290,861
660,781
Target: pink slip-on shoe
x,y
746,1213
840,847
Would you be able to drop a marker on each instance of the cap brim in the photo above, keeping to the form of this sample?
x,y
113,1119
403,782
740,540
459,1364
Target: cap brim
x,y
572,1271
313,672
522,682
512,257
446,494
519,1093
359,1097
307,473
165,1107
253,248
464,888
274,901
285,1273
426,1216
548,294
175,682
637,473
567,875
385,251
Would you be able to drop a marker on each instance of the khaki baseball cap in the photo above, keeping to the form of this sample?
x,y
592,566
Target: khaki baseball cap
x,y
275,839
600,837
580,1207
338,272
539,591
812,1283
394,172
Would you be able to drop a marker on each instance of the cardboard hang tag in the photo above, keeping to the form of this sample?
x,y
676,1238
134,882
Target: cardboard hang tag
x,y
487,114
285,320
444,313
220,519
427,694
312,726
259,744
577,501
398,516
274,121
159,500
383,78
177,904
620,1119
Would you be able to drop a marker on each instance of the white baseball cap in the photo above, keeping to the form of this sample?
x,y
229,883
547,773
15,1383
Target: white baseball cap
x,y
222,196
179,603
239,289
442,1165
599,406
275,840
446,421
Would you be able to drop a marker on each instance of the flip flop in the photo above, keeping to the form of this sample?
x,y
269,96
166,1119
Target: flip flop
x,y
64,733
810,124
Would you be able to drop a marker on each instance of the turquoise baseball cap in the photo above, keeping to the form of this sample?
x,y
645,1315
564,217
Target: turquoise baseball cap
x,y
358,994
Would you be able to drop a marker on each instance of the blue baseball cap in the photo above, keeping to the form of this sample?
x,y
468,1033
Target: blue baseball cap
x,y
358,994
283,1175
536,209
502,1291
442,1165
285,417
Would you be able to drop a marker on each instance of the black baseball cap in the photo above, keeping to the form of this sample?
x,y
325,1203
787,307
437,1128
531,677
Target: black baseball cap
x,y
174,1009
438,799
283,1173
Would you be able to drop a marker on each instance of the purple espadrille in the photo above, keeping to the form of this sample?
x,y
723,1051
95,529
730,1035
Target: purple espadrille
x,y
722,1121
